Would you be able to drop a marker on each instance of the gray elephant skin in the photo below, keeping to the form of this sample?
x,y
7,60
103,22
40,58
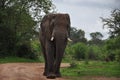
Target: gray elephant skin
x,y
54,34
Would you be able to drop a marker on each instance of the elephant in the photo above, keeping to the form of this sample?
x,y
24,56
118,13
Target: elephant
x,y
54,35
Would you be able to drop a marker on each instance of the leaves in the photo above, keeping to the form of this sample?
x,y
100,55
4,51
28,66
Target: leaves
x,y
77,35
96,38
113,23
18,20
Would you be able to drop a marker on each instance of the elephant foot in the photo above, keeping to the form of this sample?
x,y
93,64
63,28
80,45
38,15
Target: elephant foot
x,y
44,74
58,75
51,76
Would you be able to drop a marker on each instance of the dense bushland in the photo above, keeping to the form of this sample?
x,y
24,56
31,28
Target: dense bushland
x,y
19,20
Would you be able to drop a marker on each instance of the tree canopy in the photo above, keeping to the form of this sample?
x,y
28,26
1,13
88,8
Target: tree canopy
x,y
113,23
113,44
77,35
18,20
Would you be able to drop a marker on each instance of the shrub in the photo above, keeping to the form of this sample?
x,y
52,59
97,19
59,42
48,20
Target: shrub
x,y
117,56
73,64
94,52
25,51
112,47
36,48
77,51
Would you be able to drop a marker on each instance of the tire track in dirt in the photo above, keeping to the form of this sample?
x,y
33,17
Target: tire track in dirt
x,y
24,71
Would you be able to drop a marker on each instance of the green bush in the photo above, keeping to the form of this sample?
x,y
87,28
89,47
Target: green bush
x,y
25,51
6,41
117,56
77,51
36,48
110,51
73,64
112,47
94,52
80,51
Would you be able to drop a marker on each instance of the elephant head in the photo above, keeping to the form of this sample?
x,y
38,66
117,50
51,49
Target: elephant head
x,y
60,21
54,34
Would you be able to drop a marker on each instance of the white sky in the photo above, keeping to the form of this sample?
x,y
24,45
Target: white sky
x,y
85,14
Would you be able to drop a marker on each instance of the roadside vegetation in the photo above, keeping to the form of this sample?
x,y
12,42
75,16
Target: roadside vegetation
x,y
94,68
16,60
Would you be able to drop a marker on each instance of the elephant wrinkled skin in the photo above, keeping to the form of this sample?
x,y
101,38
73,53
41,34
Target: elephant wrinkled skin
x,y
54,33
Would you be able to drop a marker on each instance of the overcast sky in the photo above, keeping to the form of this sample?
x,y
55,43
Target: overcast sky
x,y
85,14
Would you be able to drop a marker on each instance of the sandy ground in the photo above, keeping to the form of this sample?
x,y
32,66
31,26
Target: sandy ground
x,y
24,71
34,71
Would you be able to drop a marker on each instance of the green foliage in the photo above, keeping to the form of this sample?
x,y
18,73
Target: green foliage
x,y
24,50
77,51
96,38
77,35
112,45
86,57
96,35
73,64
94,52
36,48
80,51
113,49
5,45
94,68
16,59
113,23
117,56
18,20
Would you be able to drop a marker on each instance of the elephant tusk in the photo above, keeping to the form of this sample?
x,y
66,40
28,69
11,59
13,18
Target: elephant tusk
x,y
52,38
69,39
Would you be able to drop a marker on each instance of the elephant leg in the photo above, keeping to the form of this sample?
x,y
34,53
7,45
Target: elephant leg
x,y
44,55
50,51
59,55
45,58
57,67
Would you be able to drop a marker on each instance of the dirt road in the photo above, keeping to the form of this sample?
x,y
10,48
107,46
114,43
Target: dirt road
x,y
24,71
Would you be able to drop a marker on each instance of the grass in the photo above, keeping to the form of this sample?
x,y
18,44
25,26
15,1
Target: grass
x,y
16,59
94,68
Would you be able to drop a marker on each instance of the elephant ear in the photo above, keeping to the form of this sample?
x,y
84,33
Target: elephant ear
x,y
52,20
68,19
68,24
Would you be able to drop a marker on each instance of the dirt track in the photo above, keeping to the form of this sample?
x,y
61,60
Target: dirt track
x,y
24,71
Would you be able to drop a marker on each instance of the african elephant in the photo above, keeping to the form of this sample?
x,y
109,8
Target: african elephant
x,y
54,34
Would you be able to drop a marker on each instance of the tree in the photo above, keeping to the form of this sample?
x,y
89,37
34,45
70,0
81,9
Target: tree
x,y
18,19
113,44
78,35
113,23
96,38
112,47
96,35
